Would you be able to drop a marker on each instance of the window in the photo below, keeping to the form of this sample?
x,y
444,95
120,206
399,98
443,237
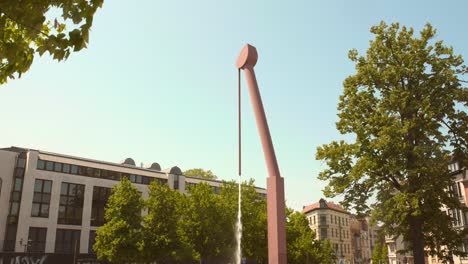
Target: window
x,y
323,233
58,167
323,220
82,171
41,198
176,182
21,163
66,240
66,168
37,239
18,184
322,204
10,238
92,240
49,165
14,208
100,197
138,179
40,164
71,204
74,169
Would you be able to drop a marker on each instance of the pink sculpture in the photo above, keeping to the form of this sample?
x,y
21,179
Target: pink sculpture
x,y
275,183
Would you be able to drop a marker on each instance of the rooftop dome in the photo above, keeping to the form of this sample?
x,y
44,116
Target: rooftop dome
x,y
155,166
128,161
173,170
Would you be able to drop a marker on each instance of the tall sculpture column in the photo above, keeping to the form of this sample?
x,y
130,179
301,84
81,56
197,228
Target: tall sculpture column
x,y
275,183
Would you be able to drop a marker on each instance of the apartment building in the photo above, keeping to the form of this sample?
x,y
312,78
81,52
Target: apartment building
x,y
52,204
330,221
458,189
360,240
395,245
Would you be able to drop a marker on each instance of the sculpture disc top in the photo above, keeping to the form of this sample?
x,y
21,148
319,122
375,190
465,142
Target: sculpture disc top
x,y
247,57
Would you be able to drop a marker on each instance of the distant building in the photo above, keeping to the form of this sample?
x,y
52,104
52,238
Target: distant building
x,y
331,222
360,240
395,245
53,203
458,189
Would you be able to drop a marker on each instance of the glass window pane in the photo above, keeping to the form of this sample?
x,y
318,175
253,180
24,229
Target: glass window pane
x,y
19,172
58,167
64,189
90,172
16,196
138,179
82,171
18,184
41,164
97,173
132,178
38,185
66,168
61,211
74,169
21,163
37,197
14,208
104,174
35,209
46,198
45,210
47,186
63,200
72,189
49,165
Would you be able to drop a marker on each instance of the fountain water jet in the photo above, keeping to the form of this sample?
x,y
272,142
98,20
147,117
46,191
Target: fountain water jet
x,y
238,253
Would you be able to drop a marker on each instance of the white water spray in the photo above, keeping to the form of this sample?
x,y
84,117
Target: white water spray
x,y
238,255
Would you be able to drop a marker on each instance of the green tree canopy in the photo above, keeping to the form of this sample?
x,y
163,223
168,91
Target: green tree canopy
x,y
254,219
203,223
200,173
406,109
119,239
26,28
161,242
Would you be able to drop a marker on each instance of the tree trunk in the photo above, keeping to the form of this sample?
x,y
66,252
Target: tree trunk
x,y
417,238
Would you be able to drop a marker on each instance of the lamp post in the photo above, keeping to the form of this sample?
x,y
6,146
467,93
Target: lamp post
x,y
275,184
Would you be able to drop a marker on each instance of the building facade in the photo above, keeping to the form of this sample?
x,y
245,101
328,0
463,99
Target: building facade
x,y
331,222
395,245
459,189
360,240
54,203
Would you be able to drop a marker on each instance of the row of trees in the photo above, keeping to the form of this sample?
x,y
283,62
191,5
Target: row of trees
x,y
198,227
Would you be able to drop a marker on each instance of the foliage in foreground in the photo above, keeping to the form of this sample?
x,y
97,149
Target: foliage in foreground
x,y
119,239
200,173
406,109
196,227
26,28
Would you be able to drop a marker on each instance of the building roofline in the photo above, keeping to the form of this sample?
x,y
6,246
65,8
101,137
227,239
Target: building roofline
x,y
20,149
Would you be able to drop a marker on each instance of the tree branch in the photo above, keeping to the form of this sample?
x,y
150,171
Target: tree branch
x,y
22,24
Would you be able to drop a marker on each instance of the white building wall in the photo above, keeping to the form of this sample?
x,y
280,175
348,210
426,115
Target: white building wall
x,y
7,166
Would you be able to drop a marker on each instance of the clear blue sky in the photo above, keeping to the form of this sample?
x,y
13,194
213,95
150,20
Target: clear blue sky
x,y
158,83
